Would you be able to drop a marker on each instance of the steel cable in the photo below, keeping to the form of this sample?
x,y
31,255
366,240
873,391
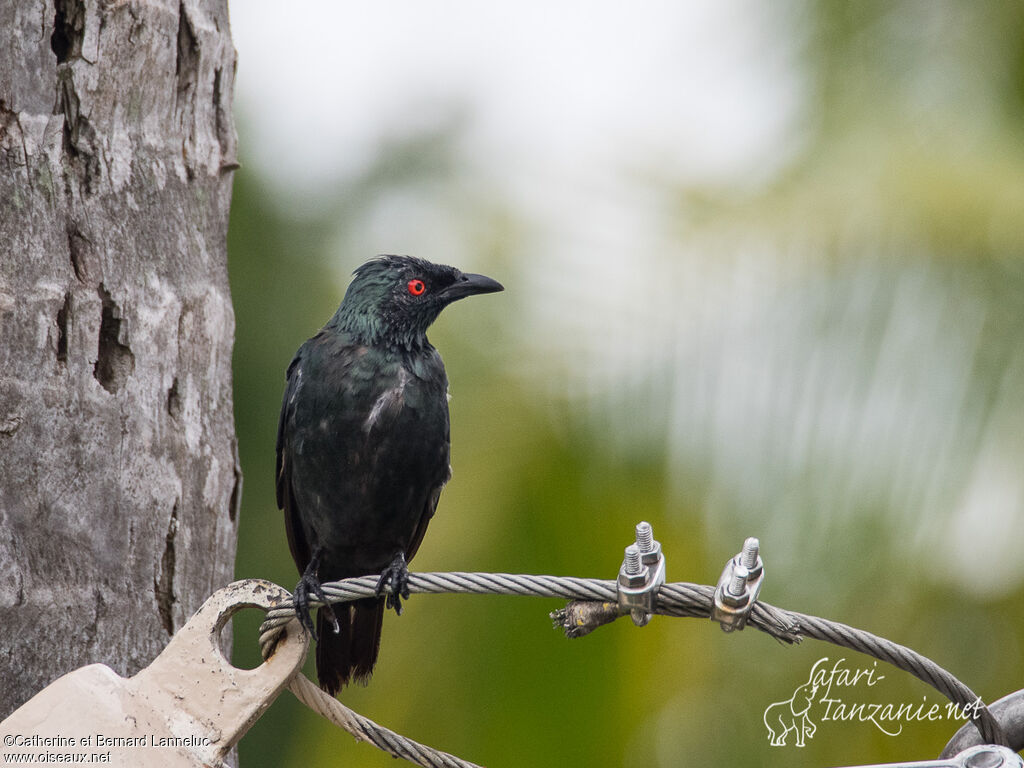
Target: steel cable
x,y
594,602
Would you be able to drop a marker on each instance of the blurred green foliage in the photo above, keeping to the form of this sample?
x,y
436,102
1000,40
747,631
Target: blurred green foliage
x,y
911,160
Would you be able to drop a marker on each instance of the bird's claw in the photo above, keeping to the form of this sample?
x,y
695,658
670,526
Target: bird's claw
x,y
310,584
394,580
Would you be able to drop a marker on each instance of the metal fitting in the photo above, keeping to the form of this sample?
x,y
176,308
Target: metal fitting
x,y
735,592
981,756
642,572
650,550
750,557
633,572
738,587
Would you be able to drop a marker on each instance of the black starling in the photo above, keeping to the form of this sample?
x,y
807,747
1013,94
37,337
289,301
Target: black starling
x,y
362,449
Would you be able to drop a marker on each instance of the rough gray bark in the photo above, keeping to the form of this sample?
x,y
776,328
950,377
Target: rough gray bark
x,y
119,482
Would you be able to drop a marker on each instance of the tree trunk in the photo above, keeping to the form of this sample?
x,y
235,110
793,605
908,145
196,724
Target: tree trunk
x,y
119,479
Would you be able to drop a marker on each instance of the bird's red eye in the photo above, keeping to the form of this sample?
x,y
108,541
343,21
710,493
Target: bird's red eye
x,y
416,287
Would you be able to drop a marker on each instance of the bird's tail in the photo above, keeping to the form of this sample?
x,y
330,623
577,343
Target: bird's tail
x,y
351,653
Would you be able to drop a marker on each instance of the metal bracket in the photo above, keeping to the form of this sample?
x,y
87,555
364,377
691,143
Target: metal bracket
x,y
982,756
190,696
641,573
738,587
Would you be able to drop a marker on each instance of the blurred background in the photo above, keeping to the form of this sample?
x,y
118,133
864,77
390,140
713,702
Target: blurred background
x,y
764,269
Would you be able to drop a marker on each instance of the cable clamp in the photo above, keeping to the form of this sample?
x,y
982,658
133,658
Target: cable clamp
x,y
738,587
641,574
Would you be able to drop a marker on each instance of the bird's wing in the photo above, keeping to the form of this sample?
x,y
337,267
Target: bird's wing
x,y
285,497
444,456
424,521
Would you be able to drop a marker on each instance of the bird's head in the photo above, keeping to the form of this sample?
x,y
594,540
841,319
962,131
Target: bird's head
x,y
394,299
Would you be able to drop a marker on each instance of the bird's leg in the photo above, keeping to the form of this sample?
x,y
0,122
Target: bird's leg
x,y
310,583
395,576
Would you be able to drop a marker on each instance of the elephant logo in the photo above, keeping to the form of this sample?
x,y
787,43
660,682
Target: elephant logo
x,y
792,716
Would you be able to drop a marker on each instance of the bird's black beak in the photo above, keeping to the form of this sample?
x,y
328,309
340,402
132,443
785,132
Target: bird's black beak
x,y
469,284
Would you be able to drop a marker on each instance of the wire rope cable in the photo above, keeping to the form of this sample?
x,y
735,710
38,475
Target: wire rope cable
x,y
593,603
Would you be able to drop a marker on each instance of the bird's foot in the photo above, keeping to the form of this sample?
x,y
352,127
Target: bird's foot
x,y
310,584
396,578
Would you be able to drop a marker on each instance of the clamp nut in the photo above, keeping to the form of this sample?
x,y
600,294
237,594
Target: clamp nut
x,y
735,593
633,572
650,550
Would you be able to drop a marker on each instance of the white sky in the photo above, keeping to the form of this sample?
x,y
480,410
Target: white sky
x,y
552,88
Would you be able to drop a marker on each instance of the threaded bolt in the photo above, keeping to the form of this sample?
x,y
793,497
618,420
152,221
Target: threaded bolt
x,y
748,557
738,582
632,561
644,537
